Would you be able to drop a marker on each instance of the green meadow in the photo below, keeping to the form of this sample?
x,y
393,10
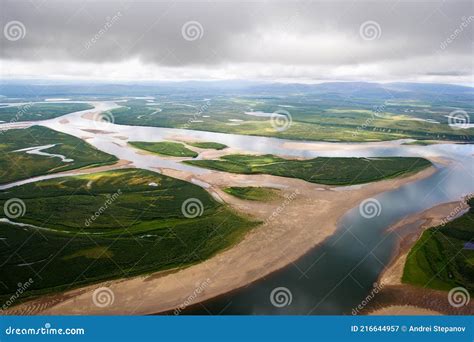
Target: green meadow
x,y
21,165
166,148
325,117
110,225
443,257
422,142
322,170
39,111
208,145
253,193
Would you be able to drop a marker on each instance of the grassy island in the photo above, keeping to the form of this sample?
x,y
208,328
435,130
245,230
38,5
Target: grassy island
x,y
322,170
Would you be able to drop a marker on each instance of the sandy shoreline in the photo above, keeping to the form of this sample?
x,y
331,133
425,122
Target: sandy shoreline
x,y
429,218
397,298
307,216
404,310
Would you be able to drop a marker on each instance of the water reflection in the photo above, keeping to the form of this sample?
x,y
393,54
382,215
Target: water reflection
x,y
337,275
334,277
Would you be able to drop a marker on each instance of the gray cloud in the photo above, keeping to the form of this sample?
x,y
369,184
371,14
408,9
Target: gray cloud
x,y
297,39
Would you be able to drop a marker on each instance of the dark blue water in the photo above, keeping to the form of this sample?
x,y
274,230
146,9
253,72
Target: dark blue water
x,y
337,275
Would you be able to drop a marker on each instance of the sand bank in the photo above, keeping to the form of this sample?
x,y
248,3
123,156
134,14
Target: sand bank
x,y
398,298
410,230
409,310
306,215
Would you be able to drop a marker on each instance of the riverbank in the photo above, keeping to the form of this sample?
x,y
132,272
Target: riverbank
x,y
308,215
397,298
120,164
404,310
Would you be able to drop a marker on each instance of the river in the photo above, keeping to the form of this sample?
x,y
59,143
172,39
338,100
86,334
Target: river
x,y
338,274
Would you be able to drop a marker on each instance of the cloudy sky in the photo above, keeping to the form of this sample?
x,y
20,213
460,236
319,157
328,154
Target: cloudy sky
x,y
293,41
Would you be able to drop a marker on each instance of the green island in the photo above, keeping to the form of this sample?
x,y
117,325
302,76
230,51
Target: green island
x,y
321,170
326,116
443,257
253,193
39,111
421,142
208,145
20,165
166,148
143,226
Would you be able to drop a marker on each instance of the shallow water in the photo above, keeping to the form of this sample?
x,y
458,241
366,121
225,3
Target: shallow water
x,y
334,277
39,151
115,137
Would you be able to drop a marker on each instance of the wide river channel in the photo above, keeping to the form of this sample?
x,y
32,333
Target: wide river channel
x,y
335,276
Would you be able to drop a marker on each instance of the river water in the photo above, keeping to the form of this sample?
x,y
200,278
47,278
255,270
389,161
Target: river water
x,y
335,276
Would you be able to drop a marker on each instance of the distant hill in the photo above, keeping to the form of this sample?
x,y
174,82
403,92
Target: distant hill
x,y
38,88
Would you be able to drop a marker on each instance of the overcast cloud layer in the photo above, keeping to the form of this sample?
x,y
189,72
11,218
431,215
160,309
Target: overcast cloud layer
x,y
282,41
